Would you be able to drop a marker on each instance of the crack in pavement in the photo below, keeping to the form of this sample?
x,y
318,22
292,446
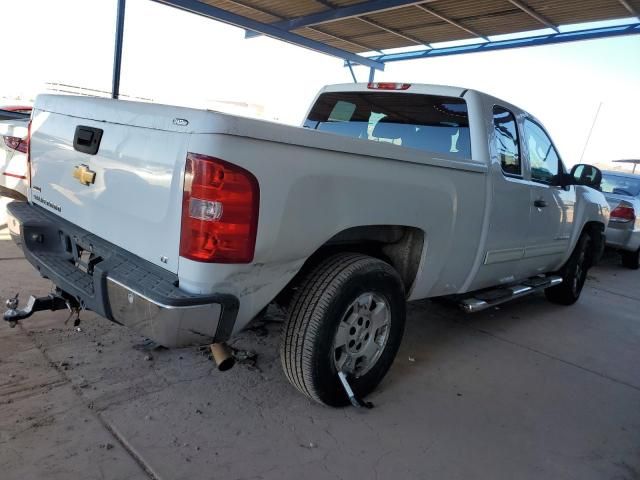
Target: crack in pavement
x,y
615,293
553,357
118,437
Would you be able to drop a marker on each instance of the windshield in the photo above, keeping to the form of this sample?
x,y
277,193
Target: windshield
x,y
425,122
621,185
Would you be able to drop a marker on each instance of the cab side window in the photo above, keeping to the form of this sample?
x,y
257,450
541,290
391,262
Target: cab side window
x,y
543,158
506,143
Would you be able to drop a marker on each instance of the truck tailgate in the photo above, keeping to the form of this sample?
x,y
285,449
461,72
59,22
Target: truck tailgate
x,y
134,199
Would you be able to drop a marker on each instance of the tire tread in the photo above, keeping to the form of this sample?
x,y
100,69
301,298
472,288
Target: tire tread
x,y
307,311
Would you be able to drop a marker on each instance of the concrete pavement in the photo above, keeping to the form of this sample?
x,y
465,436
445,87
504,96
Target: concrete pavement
x,y
527,391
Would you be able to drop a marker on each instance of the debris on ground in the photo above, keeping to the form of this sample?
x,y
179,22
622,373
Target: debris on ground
x,y
245,357
412,359
148,345
106,446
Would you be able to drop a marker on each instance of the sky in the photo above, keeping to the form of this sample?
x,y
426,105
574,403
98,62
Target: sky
x,y
179,58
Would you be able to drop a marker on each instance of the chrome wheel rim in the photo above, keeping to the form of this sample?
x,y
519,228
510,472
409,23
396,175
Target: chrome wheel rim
x,y
362,334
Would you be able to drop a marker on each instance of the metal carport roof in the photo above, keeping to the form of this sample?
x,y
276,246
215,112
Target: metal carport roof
x,y
347,28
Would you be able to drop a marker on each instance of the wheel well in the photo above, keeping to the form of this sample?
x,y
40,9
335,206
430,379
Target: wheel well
x,y
399,246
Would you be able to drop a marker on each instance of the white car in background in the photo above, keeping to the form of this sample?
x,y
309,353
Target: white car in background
x,y
622,191
13,154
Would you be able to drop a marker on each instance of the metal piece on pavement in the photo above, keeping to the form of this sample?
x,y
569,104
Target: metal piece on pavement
x,y
355,401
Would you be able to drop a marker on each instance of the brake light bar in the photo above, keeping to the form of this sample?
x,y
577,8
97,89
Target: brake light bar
x,y
220,204
16,143
623,214
388,86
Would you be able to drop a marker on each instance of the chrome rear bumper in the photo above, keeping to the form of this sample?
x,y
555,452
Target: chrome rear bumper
x,y
117,284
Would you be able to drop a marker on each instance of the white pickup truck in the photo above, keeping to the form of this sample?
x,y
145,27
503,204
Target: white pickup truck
x,y
186,224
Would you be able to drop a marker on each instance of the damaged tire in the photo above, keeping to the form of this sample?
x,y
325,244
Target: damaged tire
x,y
347,314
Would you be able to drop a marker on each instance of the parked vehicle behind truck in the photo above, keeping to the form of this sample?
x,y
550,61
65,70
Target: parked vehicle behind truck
x,y
13,151
622,191
186,224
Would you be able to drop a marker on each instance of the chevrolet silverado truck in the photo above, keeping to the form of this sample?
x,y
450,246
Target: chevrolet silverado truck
x,y
186,224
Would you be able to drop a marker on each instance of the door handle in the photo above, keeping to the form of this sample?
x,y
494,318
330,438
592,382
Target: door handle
x,y
539,204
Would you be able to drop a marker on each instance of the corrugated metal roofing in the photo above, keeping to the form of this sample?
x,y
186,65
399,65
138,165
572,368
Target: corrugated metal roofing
x,y
428,21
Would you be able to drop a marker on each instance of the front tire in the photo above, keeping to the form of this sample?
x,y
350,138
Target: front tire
x,y
631,259
574,274
347,313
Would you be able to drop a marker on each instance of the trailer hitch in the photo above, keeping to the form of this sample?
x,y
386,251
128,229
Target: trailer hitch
x,y
53,301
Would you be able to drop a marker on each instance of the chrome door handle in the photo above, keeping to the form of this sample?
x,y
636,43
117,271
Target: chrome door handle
x,y
539,204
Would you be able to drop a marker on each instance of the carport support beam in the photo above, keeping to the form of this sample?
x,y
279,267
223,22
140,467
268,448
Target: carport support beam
x,y
353,75
117,55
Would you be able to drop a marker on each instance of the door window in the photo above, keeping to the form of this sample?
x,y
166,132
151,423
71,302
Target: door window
x,y
543,158
505,139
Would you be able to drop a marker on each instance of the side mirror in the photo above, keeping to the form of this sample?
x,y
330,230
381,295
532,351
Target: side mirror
x,y
587,175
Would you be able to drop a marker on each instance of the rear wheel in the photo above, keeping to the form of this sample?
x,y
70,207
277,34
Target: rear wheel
x,y
631,259
347,315
574,274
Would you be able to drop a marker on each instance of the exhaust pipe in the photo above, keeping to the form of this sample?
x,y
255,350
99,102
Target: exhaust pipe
x,y
222,356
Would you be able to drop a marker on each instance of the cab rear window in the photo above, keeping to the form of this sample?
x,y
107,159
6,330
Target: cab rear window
x,y
425,122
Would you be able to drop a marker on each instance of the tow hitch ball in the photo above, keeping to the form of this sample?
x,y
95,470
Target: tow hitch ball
x,y
53,301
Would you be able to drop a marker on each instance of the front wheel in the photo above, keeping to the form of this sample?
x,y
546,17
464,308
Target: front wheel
x,y
347,315
574,274
631,259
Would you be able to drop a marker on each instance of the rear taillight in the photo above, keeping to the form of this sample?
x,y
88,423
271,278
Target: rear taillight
x,y
219,211
388,86
17,143
623,213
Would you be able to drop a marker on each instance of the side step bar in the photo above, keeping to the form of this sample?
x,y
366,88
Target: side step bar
x,y
490,298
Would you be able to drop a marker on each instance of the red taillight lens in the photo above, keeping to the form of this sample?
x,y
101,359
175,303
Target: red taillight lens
x,y
17,143
388,86
219,211
623,213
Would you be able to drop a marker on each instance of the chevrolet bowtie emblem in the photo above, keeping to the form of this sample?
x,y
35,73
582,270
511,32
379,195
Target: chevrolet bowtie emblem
x,y
84,175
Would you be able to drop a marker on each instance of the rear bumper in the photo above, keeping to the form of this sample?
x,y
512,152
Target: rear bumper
x,y
117,284
623,236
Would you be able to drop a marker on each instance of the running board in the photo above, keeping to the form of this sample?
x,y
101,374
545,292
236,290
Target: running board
x,y
490,298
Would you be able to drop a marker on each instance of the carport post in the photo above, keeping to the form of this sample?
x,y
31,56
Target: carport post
x,y
117,55
372,74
